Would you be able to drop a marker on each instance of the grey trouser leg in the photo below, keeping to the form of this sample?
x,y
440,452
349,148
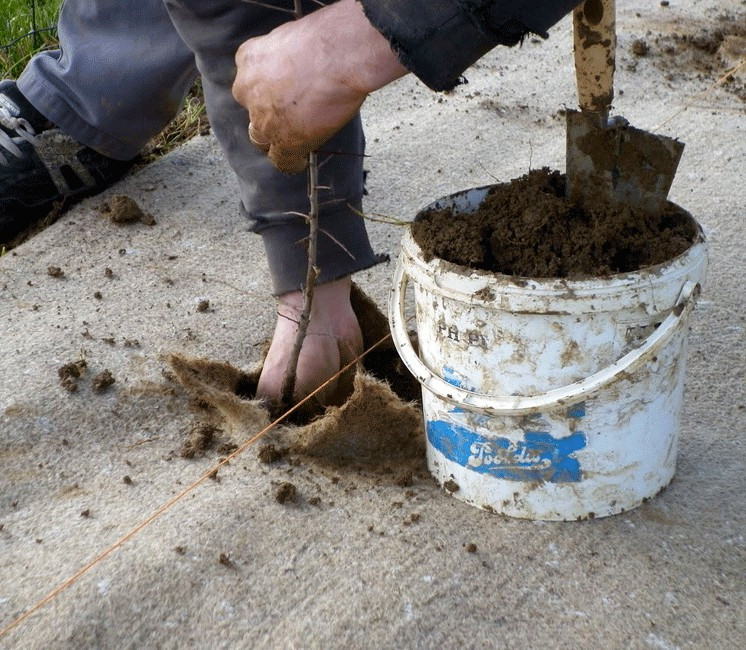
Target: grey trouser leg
x,y
214,30
120,76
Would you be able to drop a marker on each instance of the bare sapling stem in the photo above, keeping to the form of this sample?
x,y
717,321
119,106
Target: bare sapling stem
x,y
289,379
291,371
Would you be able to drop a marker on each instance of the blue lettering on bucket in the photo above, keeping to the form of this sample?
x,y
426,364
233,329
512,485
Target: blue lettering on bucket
x,y
539,457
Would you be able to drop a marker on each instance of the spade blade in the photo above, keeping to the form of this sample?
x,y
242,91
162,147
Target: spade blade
x,y
619,164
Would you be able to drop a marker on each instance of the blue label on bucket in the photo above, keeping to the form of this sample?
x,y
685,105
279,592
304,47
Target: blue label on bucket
x,y
539,457
454,378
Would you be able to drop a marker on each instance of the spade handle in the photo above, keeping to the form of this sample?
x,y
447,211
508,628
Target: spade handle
x,y
594,27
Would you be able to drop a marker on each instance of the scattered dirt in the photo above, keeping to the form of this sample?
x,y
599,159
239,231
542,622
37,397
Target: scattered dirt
x,y
528,228
451,486
470,548
706,50
203,305
640,47
70,373
405,479
123,210
226,561
55,272
286,493
269,454
102,381
127,480
199,440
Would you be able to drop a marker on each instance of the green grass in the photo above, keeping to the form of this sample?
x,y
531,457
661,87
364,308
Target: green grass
x,y
18,44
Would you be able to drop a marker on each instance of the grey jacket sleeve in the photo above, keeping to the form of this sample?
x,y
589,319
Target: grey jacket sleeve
x,y
438,39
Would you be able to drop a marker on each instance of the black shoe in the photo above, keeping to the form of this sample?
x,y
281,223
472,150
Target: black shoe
x,y
40,165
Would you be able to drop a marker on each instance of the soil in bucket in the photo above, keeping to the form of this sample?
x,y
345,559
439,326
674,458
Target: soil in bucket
x,y
528,228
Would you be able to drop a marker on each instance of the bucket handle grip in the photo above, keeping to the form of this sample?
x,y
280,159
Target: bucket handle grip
x,y
527,404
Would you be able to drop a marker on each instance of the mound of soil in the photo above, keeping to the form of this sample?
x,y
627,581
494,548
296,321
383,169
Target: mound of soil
x,y
378,428
374,428
528,228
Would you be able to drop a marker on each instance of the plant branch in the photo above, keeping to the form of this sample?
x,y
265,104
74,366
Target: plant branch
x,y
380,218
337,242
269,6
289,379
291,371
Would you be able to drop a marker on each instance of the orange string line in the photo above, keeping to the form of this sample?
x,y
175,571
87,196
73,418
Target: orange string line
x,y
166,506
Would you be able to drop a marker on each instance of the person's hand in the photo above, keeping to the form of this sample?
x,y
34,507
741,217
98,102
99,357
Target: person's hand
x,y
304,81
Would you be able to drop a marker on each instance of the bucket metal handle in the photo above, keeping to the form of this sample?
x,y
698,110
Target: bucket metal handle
x,y
528,404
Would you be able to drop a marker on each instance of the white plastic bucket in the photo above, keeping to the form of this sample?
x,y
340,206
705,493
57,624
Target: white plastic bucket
x,y
548,398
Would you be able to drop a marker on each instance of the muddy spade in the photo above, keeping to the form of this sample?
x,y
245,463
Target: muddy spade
x,y
608,160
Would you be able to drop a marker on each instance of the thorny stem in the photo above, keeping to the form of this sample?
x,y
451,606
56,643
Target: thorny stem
x,y
288,380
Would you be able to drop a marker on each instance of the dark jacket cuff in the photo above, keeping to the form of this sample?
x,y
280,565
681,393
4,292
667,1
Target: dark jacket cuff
x,y
438,39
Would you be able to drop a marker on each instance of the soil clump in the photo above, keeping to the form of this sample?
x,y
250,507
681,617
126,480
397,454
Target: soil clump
x,y
124,210
286,493
69,373
528,228
269,454
451,486
55,272
199,440
102,381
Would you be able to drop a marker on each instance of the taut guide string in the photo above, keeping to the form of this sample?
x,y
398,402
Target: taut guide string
x,y
171,502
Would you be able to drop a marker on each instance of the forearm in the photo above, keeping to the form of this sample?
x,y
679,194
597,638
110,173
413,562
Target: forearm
x,y
438,39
